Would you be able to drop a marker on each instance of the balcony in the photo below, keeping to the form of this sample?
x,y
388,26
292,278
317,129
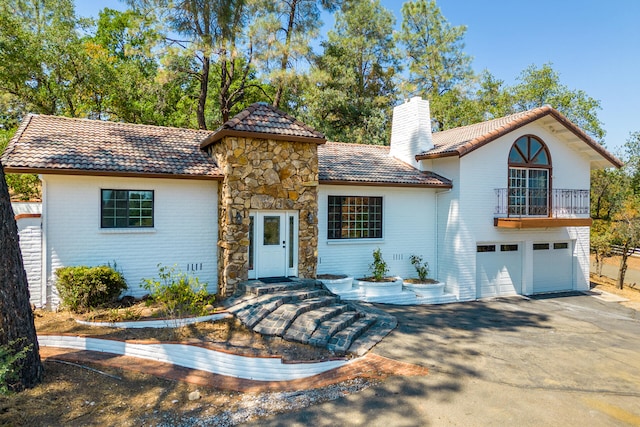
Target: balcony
x,y
541,208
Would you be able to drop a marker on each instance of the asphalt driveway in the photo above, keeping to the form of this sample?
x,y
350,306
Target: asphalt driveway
x,y
566,361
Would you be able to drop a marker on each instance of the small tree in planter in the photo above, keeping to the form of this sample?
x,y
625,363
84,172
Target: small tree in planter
x,y
379,284
423,285
379,267
422,268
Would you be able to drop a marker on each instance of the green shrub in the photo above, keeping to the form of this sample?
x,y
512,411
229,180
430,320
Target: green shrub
x,y
82,288
421,268
379,268
9,359
179,294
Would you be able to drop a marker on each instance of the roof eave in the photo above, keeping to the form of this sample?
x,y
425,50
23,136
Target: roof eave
x,y
536,114
426,156
258,135
14,140
383,184
48,171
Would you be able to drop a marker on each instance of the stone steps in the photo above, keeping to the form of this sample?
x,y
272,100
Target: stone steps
x,y
278,321
305,312
259,288
254,309
306,324
342,340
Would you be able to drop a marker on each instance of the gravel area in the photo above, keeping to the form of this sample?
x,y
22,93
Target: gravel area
x,y
259,405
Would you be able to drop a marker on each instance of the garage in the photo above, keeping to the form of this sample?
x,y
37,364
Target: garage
x,y
498,269
552,267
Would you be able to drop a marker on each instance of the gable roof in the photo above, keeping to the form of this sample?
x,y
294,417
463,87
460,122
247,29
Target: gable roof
x,y
360,164
52,144
261,120
463,140
61,145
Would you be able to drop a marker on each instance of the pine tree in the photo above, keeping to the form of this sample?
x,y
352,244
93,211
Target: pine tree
x,y
17,329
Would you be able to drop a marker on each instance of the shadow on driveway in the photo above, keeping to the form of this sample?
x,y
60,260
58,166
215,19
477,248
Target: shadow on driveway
x,y
562,359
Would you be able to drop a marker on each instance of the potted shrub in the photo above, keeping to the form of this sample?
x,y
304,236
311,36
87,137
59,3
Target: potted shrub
x,y
378,283
423,285
336,283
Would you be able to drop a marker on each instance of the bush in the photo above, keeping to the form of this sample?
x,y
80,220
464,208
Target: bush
x,y
82,288
421,268
9,359
378,268
178,293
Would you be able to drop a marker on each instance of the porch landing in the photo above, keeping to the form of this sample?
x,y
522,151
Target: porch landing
x,y
303,310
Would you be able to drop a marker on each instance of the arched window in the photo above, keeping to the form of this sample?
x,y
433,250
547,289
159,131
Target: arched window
x,y
529,172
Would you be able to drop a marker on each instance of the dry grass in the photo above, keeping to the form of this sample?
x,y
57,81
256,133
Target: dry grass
x,y
75,396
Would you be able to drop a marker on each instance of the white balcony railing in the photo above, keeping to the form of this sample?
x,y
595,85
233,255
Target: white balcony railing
x,y
527,202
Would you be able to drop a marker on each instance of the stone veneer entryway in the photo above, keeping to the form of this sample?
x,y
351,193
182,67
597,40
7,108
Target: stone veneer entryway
x,y
264,174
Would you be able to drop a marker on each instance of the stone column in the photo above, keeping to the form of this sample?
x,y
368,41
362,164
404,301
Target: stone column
x,y
264,174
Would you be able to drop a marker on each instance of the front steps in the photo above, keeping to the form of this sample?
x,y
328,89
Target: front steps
x,y
304,311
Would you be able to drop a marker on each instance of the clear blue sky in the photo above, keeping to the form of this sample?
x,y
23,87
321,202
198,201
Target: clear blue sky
x,y
594,45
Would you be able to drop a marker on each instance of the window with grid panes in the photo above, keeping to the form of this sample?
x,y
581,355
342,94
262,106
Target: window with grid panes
x,y
529,170
355,217
127,209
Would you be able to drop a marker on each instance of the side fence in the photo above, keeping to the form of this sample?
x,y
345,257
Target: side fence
x,y
617,250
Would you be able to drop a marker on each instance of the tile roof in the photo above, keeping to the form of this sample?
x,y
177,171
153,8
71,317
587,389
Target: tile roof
x,y
65,145
343,163
463,140
266,121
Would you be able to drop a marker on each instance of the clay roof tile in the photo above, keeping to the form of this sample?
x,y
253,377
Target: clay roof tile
x,y
61,144
342,163
266,121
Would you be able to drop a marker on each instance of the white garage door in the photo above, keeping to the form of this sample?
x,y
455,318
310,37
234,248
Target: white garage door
x,y
498,269
552,267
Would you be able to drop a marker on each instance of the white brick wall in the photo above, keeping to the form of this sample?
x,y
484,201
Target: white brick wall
x,y
581,249
411,130
185,228
30,235
408,228
466,214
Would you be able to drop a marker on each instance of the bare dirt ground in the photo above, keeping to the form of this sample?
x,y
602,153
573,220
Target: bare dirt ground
x,y
76,395
631,291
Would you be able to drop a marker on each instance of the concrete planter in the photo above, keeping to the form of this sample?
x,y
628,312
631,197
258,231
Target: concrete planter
x,y
378,289
337,285
427,290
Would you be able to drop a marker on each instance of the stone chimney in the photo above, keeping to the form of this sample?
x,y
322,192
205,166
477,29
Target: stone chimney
x,y
411,130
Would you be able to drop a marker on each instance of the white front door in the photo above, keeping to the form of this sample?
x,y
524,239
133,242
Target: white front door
x,y
273,244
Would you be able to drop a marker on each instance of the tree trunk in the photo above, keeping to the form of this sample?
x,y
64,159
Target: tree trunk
x,y
204,89
17,329
598,263
284,61
623,266
226,78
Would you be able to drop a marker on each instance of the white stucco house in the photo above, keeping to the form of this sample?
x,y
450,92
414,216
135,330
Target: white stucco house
x,y
496,208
